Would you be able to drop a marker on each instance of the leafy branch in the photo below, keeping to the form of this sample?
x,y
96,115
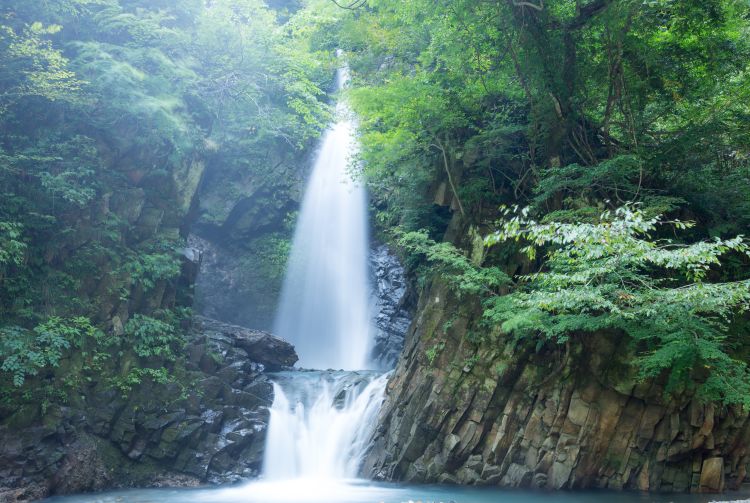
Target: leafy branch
x,y
614,275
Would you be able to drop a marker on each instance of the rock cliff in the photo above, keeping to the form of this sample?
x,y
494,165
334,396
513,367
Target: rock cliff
x,y
208,426
392,305
243,225
491,410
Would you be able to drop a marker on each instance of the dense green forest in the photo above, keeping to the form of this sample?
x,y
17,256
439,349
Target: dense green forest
x,y
601,148
620,128
111,112
568,169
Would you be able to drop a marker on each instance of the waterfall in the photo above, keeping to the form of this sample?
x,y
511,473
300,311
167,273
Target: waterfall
x,y
321,421
324,302
321,424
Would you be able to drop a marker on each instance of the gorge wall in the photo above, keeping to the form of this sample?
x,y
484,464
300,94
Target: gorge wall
x,y
207,425
243,228
494,410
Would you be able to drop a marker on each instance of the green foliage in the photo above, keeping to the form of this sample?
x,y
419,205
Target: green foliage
x,y
572,109
470,362
135,377
612,275
433,352
582,187
110,112
264,91
25,352
147,270
11,247
270,255
151,337
32,67
446,261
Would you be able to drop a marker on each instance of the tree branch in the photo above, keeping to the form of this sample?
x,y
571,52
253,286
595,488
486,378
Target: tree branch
x,y
440,147
586,12
529,4
354,5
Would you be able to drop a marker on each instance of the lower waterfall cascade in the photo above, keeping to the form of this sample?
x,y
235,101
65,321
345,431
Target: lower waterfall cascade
x,y
320,424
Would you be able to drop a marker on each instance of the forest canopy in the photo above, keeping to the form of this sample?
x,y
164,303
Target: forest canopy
x,y
621,127
110,113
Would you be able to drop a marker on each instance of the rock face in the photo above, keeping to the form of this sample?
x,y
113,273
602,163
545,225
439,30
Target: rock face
x,y
273,352
141,214
472,407
392,306
209,426
243,225
239,284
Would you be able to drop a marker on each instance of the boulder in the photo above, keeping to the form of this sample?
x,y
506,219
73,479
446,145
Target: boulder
x,y
262,347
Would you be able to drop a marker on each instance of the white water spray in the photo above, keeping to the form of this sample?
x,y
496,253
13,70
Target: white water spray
x,y
325,297
321,424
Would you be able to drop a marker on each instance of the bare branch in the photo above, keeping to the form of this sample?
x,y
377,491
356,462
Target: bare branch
x,y
529,4
354,5
439,146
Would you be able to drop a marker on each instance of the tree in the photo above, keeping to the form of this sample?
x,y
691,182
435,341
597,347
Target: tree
x,y
614,276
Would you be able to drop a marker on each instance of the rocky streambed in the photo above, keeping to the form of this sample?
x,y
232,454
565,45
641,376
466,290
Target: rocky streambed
x,y
208,427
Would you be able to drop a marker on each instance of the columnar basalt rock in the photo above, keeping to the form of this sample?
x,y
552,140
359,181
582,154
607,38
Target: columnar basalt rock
x,y
501,412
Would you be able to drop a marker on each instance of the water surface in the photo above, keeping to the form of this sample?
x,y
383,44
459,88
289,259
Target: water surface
x,y
361,491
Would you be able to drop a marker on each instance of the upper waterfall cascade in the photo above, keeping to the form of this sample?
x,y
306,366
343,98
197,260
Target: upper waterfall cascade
x,y
325,297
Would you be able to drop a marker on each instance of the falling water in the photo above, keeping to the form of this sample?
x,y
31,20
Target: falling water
x,y
321,421
321,424
324,301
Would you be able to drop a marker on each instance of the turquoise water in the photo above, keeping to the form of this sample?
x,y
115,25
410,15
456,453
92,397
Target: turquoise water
x,y
314,491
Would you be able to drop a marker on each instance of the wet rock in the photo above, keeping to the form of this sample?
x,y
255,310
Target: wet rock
x,y
211,387
174,480
29,492
208,429
158,422
392,310
261,347
246,400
